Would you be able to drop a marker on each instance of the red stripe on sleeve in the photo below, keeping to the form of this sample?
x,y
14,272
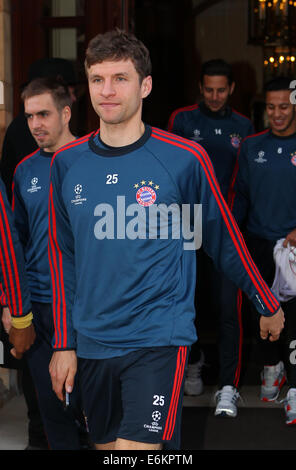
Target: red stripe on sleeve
x,y
3,298
5,276
12,268
177,111
23,160
58,277
55,285
82,140
230,223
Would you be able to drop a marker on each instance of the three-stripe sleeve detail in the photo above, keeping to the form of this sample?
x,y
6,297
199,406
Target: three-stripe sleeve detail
x,y
55,257
9,264
233,230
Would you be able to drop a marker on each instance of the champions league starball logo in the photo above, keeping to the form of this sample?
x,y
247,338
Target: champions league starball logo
x,y
79,200
34,188
78,189
260,158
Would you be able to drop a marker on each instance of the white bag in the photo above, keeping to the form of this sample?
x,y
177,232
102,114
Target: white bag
x,y
284,284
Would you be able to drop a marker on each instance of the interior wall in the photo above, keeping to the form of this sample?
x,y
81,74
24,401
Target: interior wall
x,y
5,68
221,31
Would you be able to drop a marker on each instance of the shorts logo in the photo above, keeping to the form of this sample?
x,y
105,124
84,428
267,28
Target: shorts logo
x,y
156,415
34,188
293,159
146,195
78,199
235,140
154,426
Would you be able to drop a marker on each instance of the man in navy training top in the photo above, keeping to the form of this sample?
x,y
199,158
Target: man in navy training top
x,y
13,151
47,105
14,281
219,129
263,200
123,280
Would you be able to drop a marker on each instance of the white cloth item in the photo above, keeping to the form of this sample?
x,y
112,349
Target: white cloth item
x,y
284,284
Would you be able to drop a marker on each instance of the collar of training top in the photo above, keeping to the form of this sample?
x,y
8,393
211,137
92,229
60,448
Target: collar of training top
x,y
43,153
282,137
100,148
221,114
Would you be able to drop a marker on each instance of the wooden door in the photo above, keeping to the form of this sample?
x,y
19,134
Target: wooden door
x,y
36,27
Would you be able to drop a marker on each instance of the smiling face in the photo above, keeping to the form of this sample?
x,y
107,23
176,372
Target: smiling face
x,y
116,92
281,112
216,91
46,123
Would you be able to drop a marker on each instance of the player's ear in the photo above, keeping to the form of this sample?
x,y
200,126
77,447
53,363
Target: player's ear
x,y
232,87
66,113
146,86
200,87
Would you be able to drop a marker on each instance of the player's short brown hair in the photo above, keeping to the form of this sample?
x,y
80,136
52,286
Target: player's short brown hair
x,y
119,45
55,86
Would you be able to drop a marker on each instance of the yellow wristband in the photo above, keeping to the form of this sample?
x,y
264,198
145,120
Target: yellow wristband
x,y
22,322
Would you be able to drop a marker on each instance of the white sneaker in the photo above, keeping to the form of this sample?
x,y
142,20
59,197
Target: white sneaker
x,y
273,378
193,382
290,406
226,399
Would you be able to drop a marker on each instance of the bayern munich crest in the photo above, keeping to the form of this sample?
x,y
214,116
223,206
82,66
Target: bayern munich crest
x,y
235,140
146,194
293,159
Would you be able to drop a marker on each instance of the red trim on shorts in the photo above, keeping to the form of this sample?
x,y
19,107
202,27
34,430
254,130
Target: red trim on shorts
x,y
179,374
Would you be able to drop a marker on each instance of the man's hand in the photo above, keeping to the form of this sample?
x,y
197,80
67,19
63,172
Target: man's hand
x,y
62,369
22,339
6,319
272,326
290,238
